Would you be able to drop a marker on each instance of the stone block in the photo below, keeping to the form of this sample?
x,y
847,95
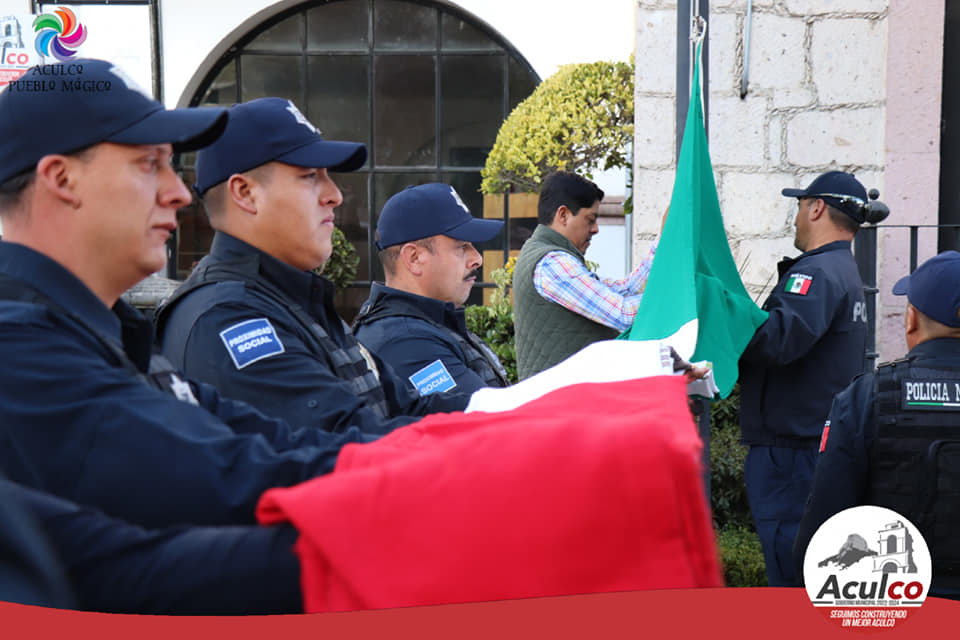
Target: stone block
x,y
651,196
793,97
737,130
776,52
740,5
656,51
753,206
848,60
842,137
757,262
819,7
654,131
775,141
723,34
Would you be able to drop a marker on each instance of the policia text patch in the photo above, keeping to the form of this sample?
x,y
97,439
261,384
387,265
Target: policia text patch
x,y
931,395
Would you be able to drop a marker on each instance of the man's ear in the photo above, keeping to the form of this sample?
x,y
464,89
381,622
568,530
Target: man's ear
x,y
910,321
563,215
241,191
817,210
55,173
411,258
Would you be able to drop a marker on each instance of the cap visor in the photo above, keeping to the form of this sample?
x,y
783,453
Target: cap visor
x,y
902,286
794,193
475,230
185,129
327,154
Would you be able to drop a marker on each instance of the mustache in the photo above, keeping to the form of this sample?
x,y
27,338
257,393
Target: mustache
x,y
473,274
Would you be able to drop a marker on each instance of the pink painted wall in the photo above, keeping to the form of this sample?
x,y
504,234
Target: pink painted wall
x,y
912,152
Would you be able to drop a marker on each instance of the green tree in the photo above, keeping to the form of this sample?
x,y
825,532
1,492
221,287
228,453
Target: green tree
x,y
578,119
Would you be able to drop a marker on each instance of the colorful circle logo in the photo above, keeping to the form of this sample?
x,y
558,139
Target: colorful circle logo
x,y
59,34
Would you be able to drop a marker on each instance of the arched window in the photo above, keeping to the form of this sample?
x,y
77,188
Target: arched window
x,y
423,84
892,544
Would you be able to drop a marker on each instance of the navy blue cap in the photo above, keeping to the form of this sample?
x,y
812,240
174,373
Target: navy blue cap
x,y
272,130
66,107
934,288
430,210
838,189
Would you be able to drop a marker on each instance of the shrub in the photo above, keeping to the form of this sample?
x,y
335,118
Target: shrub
x,y
578,119
740,552
494,323
728,493
742,557
341,268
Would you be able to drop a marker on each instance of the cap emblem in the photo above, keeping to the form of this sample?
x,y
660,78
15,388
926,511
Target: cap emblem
x,y
128,80
456,197
300,118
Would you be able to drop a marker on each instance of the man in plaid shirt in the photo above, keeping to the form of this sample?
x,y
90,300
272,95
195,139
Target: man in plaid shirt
x,y
560,305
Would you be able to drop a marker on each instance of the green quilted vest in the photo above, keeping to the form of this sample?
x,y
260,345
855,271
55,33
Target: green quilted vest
x,y
547,333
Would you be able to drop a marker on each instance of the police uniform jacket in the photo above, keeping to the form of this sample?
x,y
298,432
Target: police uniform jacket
x,y
238,291
426,341
117,567
89,415
810,348
863,462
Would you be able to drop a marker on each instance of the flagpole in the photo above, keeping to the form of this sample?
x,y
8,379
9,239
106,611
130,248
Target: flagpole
x,y
687,10
691,15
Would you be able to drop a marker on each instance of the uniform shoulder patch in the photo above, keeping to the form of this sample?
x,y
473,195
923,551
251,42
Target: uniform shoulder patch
x,y
798,283
433,378
251,340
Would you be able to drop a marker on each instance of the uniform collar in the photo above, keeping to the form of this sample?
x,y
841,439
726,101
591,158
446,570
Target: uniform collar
x,y
297,285
837,245
936,348
54,281
445,313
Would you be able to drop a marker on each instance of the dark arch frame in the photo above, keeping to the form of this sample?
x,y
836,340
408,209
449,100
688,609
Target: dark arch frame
x,y
516,75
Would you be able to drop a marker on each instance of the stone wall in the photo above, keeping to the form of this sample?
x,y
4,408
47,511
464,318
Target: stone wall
x,y
816,100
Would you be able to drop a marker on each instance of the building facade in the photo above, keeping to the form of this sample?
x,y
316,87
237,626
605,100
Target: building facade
x,y
855,85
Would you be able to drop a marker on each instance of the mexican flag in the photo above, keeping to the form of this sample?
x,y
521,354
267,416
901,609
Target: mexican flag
x,y
798,283
590,488
694,300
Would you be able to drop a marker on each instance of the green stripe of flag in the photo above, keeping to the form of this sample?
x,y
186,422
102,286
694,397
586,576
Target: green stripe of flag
x,y
694,299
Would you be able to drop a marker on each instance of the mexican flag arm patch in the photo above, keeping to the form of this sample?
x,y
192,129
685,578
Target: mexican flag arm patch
x,y
798,283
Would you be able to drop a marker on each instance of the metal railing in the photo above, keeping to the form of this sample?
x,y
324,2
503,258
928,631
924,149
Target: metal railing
x,y
865,253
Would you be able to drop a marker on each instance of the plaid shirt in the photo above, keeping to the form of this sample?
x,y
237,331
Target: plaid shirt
x,y
561,278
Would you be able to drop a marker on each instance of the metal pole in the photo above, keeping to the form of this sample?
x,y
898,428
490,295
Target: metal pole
x,y
745,77
684,13
686,10
865,253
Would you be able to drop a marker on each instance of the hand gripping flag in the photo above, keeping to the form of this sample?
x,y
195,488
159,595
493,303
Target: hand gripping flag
x,y
694,300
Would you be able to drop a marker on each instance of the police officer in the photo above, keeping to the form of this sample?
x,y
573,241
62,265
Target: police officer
x,y
810,347
893,438
73,557
88,199
416,322
253,319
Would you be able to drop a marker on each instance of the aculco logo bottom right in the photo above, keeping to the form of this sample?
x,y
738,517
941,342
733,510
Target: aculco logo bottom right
x,y
869,567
